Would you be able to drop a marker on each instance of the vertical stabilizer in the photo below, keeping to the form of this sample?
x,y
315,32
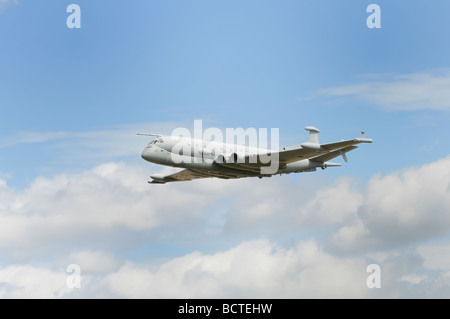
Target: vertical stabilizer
x,y
313,134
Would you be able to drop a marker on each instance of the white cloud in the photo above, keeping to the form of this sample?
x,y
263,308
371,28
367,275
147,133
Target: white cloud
x,y
91,261
400,209
330,232
404,207
107,198
255,269
116,197
328,206
413,279
415,91
437,257
18,281
115,142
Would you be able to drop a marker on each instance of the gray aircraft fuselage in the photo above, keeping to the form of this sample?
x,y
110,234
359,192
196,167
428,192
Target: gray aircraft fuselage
x,y
202,155
204,158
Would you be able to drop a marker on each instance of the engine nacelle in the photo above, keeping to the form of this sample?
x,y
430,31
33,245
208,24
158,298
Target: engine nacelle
x,y
235,158
220,159
158,177
312,146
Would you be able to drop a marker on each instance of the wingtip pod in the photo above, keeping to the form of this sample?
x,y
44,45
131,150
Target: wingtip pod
x,y
155,182
157,179
363,140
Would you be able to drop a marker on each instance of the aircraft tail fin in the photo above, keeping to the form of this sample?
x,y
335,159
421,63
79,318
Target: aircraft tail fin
x,y
313,134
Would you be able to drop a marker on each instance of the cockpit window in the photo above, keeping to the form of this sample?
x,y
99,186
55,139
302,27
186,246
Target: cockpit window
x,y
157,141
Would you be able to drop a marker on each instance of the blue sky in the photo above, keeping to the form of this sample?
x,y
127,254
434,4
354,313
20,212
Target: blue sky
x,y
72,100
251,64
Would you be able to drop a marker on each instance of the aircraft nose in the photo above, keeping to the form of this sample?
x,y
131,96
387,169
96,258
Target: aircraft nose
x,y
145,154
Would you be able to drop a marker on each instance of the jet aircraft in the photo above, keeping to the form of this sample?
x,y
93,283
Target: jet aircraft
x,y
204,158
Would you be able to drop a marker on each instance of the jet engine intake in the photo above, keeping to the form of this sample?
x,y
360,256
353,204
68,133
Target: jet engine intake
x,y
220,159
235,158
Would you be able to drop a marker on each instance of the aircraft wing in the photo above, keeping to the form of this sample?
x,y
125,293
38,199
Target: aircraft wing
x,y
331,155
190,174
184,175
314,151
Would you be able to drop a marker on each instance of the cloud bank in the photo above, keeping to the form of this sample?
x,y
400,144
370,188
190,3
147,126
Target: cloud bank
x,y
249,238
